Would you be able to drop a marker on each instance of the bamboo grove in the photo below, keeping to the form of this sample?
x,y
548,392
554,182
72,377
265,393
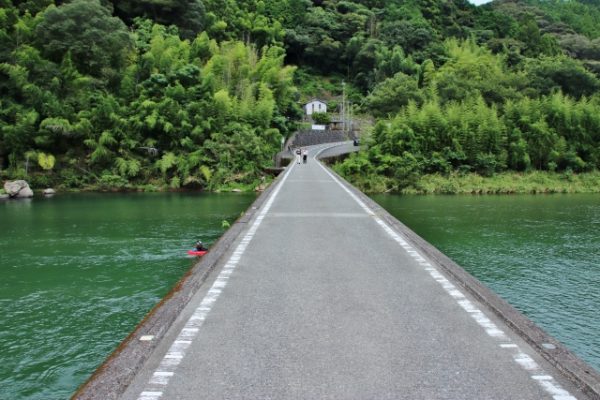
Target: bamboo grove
x,y
141,107
475,115
200,93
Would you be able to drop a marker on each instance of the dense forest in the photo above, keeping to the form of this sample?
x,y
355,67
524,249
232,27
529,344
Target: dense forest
x,y
200,93
89,100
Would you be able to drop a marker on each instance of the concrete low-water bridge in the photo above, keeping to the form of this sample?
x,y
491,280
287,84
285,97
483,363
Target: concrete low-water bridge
x,y
319,293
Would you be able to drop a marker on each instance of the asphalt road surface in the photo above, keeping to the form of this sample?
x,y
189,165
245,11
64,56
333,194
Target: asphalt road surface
x,y
320,299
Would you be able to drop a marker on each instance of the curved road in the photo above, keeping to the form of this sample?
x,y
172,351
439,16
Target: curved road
x,y
321,299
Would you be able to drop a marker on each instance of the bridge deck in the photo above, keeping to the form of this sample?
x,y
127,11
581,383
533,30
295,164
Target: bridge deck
x,y
319,298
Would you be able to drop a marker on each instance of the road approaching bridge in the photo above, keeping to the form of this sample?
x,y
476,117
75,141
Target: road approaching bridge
x,y
321,297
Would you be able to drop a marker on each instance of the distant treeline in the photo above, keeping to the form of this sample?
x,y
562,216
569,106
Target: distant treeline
x,y
196,92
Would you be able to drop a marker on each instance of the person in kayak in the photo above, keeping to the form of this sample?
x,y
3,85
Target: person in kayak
x,y
200,246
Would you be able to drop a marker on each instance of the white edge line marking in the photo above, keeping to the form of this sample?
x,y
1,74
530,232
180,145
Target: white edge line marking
x,y
527,363
188,333
150,395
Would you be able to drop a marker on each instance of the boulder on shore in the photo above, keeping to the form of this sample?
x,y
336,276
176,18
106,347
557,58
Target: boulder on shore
x,y
18,189
49,192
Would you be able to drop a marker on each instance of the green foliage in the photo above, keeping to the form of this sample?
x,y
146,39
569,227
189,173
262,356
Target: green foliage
x,y
46,161
85,30
393,93
506,183
471,70
111,182
167,161
206,173
476,112
552,133
561,73
175,183
321,118
187,15
145,105
128,168
205,98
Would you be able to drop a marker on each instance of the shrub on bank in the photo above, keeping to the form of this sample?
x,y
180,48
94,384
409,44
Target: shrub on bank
x,y
507,183
503,183
111,182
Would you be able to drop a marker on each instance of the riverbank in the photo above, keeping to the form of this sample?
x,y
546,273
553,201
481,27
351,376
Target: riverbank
x,y
129,187
257,186
536,182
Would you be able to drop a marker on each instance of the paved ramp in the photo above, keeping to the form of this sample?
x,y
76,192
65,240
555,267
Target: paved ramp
x,y
319,298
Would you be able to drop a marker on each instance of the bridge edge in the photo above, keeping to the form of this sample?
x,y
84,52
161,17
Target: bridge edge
x,y
115,374
582,375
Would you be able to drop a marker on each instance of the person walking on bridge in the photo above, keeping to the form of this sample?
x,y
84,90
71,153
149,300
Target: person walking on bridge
x,y
304,155
298,155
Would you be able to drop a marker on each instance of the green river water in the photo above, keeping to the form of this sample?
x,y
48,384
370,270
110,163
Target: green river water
x,y
79,271
540,253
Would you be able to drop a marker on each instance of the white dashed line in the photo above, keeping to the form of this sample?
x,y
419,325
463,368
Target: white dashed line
x,y
547,382
150,396
166,370
526,362
176,352
161,378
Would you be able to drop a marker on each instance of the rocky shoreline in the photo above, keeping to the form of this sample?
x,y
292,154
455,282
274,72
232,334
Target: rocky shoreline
x,y
20,189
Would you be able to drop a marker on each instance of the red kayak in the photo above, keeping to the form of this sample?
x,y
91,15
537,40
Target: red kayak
x,y
196,252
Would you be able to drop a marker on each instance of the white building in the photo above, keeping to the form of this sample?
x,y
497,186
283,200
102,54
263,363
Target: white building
x,y
315,106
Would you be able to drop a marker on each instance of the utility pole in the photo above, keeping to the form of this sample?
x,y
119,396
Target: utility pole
x,y
350,119
344,106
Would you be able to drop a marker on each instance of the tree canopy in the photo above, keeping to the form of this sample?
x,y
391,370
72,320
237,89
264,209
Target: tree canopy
x,y
105,105
201,92
86,32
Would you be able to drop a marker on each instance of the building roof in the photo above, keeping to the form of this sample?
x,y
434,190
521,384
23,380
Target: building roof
x,y
315,99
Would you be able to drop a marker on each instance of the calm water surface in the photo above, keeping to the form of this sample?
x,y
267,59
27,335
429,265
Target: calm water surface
x,y
78,272
540,253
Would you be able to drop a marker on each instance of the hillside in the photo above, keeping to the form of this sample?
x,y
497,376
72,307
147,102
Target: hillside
x,y
90,99
199,93
575,25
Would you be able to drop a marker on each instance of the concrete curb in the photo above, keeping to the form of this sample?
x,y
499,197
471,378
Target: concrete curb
x,y
115,374
572,367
